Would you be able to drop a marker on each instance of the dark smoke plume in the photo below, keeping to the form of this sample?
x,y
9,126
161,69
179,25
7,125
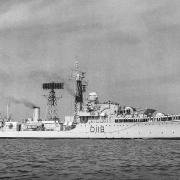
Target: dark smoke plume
x,y
22,101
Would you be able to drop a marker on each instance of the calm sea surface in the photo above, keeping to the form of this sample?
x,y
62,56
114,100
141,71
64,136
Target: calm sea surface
x,y
89,159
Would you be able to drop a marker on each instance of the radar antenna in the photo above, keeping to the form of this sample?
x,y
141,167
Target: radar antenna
x,y
52,99
80,88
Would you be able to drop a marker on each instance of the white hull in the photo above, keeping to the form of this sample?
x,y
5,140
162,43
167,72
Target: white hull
x,y
167,129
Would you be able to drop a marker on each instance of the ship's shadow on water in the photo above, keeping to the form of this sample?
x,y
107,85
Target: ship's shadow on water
x,y
89,159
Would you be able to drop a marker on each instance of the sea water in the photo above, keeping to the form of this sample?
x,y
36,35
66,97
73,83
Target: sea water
x,y
89,159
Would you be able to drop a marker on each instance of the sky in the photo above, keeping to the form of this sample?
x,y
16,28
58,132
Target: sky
x,y
129,49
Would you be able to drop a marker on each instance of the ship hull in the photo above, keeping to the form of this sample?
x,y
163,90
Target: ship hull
x,y
148,130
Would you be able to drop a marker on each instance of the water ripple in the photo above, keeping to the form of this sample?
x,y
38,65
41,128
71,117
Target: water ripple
x,y
89,159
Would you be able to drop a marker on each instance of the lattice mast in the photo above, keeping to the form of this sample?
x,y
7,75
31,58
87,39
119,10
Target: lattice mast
x,y
52,113
80,88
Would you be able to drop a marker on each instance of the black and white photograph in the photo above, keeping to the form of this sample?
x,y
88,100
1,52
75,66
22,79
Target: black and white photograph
x,y
90,89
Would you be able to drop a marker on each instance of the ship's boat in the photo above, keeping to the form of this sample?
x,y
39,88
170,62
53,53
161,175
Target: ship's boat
x,y
94,119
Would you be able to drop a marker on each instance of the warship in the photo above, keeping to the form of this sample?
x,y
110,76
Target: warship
x,y
92,119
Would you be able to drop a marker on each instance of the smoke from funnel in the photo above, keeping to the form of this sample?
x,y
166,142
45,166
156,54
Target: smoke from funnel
x,y
22,101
